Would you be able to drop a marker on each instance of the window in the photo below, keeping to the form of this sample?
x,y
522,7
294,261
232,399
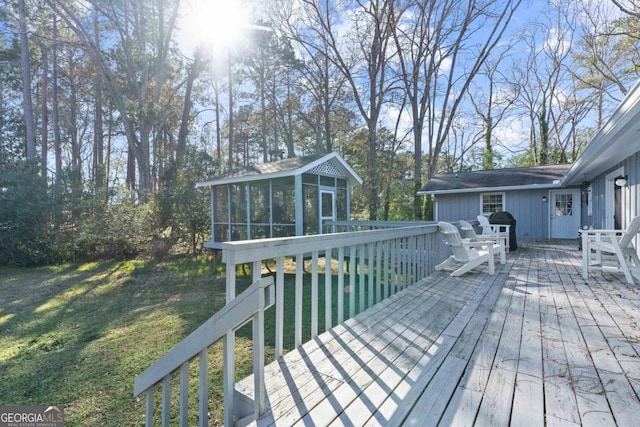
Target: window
x,y
564,205
491,202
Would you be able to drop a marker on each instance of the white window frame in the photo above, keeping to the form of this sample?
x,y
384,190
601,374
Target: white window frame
x,y
496,193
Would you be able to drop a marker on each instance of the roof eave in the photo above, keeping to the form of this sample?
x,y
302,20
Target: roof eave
x,y
607,143
490,189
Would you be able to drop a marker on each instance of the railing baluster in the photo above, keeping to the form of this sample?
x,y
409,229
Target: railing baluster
x,y
386,271
361,278
259,391
228,350
352,281
166,401
371,281
298,300
279,306
203,384
394,266
379,254
328,294
184,394
149,408
401,247
340,284
314,294
228,376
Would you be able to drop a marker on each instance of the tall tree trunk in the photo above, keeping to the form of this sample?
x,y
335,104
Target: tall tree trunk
x,y
231,127
181,147
487,161
55,116
26,82
326,109
544,133
44,126
98,134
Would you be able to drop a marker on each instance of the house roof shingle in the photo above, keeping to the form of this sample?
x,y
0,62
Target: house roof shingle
x,y
531,177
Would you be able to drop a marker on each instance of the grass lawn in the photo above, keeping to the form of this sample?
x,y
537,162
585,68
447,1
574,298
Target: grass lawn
x,y
76,335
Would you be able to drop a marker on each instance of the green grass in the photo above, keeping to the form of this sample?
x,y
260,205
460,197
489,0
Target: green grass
x,y
77,335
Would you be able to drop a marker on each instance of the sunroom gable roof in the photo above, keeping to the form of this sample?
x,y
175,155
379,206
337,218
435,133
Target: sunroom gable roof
x,y
333,164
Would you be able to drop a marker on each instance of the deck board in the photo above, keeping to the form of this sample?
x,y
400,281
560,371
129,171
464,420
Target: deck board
x,y
535,344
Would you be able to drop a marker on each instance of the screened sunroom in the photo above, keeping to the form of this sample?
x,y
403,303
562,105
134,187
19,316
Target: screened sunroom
x,y
291,197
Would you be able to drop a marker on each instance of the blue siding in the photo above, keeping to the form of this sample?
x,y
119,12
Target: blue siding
x,y
526,206
530,212
630,194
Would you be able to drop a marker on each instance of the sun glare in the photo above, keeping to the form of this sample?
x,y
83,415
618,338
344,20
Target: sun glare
x,y
218,23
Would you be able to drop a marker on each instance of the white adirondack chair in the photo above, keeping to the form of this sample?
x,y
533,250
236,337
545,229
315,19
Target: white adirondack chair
x,y
469,254
496,241
500,230
611,250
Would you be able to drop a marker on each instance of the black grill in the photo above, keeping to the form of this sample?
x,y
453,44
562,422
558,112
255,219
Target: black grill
x,y
505,218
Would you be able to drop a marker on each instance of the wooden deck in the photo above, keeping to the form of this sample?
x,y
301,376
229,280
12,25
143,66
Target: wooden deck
x,y
532,345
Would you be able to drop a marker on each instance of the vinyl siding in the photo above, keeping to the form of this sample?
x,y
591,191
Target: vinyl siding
x,y
630,194
526,206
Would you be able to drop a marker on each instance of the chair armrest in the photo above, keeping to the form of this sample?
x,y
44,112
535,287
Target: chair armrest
x,y
479,243
601,231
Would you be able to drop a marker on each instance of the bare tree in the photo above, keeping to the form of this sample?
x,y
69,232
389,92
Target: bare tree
x,y
322,81
608,53
362,54
630,7
491,102
441,47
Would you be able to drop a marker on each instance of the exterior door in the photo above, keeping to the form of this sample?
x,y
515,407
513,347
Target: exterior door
x,y
327,208
565,214
617,207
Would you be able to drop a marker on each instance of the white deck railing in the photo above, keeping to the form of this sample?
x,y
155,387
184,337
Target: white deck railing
x,y
249,305
381,261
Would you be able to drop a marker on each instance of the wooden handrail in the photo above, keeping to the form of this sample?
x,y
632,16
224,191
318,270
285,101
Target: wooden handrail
x,y
255,299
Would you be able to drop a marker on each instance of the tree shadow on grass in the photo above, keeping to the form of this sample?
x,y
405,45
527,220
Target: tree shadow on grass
x,y
77,335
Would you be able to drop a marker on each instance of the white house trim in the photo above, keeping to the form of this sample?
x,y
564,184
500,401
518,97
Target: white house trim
x,y
492,189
